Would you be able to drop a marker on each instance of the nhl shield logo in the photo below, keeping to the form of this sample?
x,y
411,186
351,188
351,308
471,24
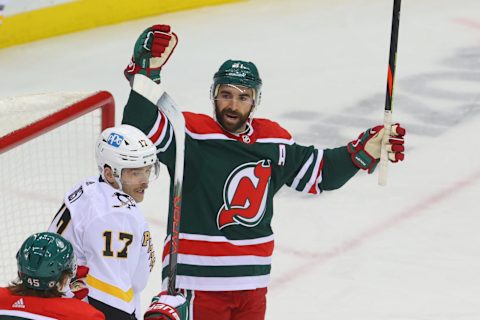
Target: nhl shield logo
x,y
245,195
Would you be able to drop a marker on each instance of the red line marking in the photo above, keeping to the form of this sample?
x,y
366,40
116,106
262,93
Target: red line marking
x,y
467,22
355,242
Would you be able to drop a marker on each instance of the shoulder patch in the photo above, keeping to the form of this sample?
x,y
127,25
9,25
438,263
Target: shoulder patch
x,y
75,195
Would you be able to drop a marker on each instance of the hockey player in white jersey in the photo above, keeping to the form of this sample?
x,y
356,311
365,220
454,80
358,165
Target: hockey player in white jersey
x,y
102,220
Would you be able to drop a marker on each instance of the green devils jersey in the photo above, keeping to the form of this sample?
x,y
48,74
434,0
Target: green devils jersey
x,y
226,239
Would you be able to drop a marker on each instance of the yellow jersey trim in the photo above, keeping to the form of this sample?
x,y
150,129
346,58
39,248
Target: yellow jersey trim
x,y
109,289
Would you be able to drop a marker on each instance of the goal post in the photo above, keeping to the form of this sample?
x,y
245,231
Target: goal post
x,y
46,146
102,99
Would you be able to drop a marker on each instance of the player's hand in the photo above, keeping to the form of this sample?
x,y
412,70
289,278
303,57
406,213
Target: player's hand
x,y
166,307
366,149
78,284
152,50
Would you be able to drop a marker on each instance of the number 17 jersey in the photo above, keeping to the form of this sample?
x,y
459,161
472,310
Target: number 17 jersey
x,y
111,237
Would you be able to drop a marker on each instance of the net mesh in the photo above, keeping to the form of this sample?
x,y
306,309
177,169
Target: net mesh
x,y
35,175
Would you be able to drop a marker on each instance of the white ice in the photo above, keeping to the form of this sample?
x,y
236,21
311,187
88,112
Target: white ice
x,y
410,250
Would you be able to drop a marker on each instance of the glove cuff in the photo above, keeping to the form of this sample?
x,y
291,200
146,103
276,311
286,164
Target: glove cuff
x,y
160,310
363,160
167,307
132,69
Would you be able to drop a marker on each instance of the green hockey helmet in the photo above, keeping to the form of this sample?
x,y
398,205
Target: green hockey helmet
x,y
42,259
238,72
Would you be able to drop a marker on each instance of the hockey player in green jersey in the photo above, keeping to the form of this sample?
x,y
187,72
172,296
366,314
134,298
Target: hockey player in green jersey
x,y
234,165
46,268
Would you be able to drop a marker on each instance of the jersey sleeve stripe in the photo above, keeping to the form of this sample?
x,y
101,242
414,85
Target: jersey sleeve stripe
x,y
315,189
315,173
161,134
302,172
158,130
100,285
169,141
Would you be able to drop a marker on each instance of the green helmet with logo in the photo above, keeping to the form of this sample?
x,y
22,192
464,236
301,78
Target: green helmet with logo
x,y
238,72
42,259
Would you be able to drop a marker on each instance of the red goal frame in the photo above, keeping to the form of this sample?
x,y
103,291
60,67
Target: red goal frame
x,y
101,99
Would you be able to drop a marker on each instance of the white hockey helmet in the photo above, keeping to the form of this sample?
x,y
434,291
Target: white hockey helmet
x,y
123,147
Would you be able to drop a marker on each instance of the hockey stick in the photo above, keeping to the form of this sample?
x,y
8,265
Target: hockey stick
x,y
169,108
387,118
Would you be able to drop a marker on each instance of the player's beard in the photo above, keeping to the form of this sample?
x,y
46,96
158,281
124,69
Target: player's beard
x,y
232,125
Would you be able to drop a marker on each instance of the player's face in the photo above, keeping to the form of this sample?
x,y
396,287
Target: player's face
x,y
135,181
233,105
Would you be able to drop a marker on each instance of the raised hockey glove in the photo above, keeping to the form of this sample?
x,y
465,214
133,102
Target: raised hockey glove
x,y
365,150
78,284
152,50
166,307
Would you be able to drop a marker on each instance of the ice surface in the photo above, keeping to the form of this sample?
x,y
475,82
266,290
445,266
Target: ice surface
x,y
406,251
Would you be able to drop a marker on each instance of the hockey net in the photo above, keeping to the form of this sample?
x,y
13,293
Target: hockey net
x,y
46,146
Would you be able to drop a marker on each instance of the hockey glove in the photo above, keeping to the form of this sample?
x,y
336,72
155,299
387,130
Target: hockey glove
x,y
152,50
365,150
78,284
166,307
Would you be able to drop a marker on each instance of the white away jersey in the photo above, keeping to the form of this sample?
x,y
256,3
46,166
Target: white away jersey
x,y
111,237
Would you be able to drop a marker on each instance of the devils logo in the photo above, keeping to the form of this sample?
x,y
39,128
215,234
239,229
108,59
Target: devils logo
x,y
245,195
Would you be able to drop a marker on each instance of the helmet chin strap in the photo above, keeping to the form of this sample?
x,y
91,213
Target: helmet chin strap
x,y
118,180
250,116
120,187
115,177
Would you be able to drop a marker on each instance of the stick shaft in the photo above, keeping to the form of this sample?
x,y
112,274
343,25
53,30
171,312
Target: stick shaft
x,y
387,120
175,117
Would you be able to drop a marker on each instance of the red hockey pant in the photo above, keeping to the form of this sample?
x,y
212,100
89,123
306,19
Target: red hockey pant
x,y
228,305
